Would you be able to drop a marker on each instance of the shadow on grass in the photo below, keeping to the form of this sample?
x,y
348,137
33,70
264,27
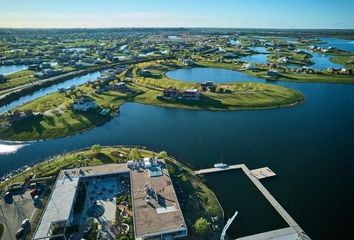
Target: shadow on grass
x,y
205,102
28,125
105,159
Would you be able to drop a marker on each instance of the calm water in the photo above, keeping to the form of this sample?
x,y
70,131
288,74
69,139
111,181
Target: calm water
x,y
8,69
211,74
322,61
260,58
310,147
347,45
48,90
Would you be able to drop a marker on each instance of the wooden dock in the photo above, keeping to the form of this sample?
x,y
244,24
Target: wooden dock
x,y
254,176
258,173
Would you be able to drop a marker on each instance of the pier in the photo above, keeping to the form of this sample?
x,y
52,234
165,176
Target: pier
x,y
293,232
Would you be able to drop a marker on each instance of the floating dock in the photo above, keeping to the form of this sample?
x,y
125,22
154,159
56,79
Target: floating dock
x,y
293,232
258,173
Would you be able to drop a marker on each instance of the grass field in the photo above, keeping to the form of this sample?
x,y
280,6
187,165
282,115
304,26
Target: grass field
x,y
17,79
58,119
200,200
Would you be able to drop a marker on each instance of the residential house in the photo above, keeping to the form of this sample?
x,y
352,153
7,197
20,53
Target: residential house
x,y
84,104
248,66
121,86
2,78
273,73
191,94
170,93
187,61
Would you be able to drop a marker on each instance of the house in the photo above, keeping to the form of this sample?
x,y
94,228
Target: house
x,y
2,78
145,73
16,116
121,86
208,85
120,69
346,71
191,94
170,93
34,67
187,61
273,73
46,65
84,104
283,60
248,66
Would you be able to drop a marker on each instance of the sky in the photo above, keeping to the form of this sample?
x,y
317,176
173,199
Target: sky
x,y
319,14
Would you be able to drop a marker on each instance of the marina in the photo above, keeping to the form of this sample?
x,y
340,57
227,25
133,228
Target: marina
x,y
254,176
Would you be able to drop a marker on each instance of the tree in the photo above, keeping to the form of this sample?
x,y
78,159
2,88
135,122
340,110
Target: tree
x,y
134,154
96,149
201,226
162,155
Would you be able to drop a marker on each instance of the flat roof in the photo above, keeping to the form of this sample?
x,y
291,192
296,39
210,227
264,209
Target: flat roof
x,y
156,216
59,205
62,199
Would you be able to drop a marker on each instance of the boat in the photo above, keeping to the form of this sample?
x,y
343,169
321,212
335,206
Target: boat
x,y
221,165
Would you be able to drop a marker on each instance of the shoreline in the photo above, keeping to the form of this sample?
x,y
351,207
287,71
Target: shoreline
x,y
24,141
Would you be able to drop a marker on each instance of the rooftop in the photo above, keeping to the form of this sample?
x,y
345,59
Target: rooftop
x,y
155,204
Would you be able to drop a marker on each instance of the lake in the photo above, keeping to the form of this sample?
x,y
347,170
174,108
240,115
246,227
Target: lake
x,y
201,74
8,69
309,147
347,45
322,61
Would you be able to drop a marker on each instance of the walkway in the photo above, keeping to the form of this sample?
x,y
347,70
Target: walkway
x,y
285,215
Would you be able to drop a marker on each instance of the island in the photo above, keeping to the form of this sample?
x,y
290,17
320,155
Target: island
x,y
83,107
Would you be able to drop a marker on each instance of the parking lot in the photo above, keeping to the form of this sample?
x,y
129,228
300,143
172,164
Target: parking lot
x,y
12,215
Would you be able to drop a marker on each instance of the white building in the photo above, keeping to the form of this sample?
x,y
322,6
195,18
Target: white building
x,y
84,105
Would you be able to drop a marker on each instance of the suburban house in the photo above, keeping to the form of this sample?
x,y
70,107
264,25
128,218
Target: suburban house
x,y
191,94
248,66
84,104
121,86
187,61
13,117
273,73
283,60
208,85
170,93
2,78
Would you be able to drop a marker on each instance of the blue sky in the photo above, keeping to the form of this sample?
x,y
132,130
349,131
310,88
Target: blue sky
x,y
178,13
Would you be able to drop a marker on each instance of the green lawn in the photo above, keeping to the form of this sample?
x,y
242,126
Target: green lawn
x,y
17,79
60,120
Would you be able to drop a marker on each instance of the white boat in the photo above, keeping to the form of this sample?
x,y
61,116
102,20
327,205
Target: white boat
x,y
221,165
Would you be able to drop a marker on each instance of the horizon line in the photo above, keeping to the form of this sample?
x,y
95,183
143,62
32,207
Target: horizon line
x,y
180,27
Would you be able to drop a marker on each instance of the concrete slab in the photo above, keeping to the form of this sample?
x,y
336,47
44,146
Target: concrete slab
x,y
263,172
